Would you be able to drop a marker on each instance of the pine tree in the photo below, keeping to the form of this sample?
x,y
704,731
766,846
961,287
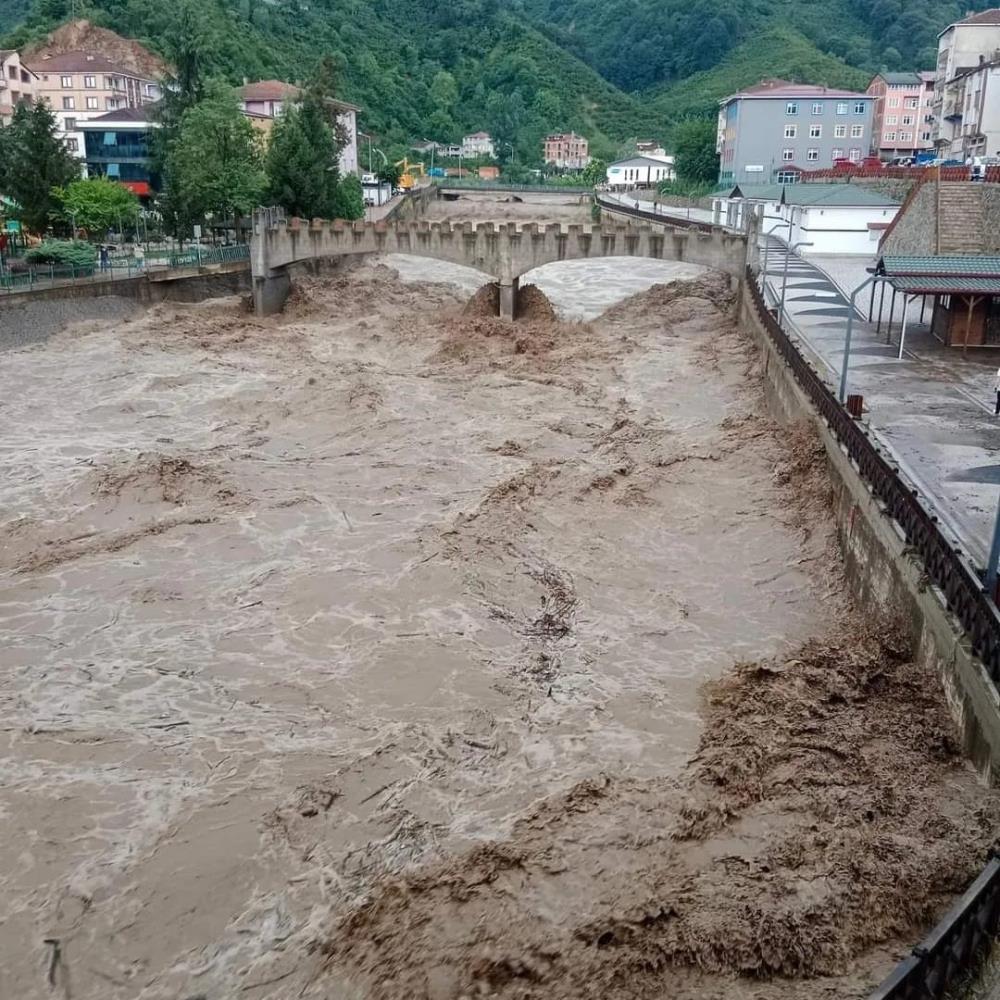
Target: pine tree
x,y
34,161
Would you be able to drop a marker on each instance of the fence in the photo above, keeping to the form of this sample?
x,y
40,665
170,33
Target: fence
x,y
472,184
990,174
662,218
952,948
117,268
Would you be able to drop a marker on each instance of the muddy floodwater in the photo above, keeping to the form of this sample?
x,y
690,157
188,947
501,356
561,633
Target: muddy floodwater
x,y
360,652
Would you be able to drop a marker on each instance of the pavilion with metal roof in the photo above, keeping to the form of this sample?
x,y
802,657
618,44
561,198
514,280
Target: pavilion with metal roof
x,y
965,292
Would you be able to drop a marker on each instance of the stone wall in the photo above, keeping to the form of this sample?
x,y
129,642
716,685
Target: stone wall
x,y
883,572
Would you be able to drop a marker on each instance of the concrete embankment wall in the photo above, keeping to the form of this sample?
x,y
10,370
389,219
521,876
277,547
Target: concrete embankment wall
x,y
32,317
884,574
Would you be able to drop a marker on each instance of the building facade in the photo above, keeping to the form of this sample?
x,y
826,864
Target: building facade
x,y
267,99
640,171
774,130
965,51
81,86
117,145
566,150
973,125
17,84
478,144
902,114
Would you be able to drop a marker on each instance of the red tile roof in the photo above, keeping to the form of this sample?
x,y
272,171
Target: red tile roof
x,y
991,16
785,88
279,90
80,62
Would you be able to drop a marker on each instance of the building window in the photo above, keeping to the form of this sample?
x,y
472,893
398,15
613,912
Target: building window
x,y
890,137
815,131
912,102
69,124
817,108
66,82
891,119
906,137
92,104
787,176
792,108
855,155
69,104
791,131
788,155
860,107
925,137
841,107
90,82
72,145
907,119
893,102
857,131
838,153
840,131
812,155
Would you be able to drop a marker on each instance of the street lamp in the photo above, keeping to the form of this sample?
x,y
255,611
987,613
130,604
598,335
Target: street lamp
x,y
850,329
784,277
767,241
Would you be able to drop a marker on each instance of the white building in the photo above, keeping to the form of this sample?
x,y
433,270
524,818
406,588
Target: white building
x,y
478,144
640,171
845,219
17,84
269,98
966,49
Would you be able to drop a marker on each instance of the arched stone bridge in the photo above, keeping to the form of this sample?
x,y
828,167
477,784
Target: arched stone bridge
x,y
503,251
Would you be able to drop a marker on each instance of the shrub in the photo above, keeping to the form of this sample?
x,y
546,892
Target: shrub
x,y
75,253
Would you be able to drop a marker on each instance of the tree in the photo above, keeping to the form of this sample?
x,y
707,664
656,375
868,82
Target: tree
x,y
389,173
303,159
595,172
34,161
96,203
214,165
694,148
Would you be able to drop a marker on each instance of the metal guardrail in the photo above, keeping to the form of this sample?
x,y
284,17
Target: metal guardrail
x,y
469,184
117,269
662,218
952,948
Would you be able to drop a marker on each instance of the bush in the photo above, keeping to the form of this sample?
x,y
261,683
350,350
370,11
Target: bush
x,y
71,253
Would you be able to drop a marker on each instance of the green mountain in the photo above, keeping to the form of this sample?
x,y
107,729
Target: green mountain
x,y
612,69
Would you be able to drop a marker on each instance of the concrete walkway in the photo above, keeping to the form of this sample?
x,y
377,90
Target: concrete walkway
x,y
933,408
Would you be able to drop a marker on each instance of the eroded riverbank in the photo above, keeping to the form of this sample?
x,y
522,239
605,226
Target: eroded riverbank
x,y
359,652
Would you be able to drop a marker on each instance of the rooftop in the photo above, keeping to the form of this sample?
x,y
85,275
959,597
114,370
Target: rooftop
x,y
991,16
79,62
901,79
123,116
786,89
966,265
478,135
639,160
280,90
837,196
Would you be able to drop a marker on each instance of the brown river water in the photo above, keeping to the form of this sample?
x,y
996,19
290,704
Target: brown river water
x,y
361,653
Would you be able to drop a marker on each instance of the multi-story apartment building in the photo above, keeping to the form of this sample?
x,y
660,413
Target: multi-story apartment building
x,y
973,122
17,84
770,132
265,100
902,116
963,49
82,85
566,150
478,144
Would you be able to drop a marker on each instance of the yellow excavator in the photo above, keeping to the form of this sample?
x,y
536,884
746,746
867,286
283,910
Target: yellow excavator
x,y
409,172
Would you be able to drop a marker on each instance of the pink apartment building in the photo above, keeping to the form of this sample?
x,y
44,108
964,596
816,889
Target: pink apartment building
x,y
902,119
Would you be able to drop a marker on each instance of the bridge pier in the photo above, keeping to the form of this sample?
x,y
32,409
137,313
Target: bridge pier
x,y
270,292
508,298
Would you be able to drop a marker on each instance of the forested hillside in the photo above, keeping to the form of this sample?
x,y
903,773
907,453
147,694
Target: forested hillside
x,y
612,69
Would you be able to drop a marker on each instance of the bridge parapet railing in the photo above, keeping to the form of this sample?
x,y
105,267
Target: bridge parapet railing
x,y
660,218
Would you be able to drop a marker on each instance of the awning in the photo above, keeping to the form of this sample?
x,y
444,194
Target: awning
x,y
930,285
970,266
